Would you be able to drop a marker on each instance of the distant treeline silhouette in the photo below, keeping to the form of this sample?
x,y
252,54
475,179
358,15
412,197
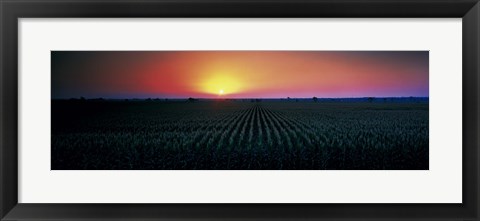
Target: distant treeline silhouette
x,y
256,100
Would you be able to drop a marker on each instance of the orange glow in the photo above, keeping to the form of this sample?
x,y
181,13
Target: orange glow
x,y
240,74
221,83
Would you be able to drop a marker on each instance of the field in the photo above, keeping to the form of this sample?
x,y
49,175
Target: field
x,y
240,134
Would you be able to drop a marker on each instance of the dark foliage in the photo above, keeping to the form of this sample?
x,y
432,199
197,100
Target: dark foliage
x,y
239,135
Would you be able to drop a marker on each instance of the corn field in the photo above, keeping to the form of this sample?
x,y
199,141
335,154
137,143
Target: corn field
x,y
239,135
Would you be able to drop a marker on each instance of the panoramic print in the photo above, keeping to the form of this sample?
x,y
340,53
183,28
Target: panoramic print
x,y
239,110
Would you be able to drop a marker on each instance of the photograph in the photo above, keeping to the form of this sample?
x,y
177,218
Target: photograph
x,y
239,110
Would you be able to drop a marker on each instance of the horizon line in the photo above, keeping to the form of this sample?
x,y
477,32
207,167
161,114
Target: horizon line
x,y
223,98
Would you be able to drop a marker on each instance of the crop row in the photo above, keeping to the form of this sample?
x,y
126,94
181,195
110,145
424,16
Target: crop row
x,y
241,136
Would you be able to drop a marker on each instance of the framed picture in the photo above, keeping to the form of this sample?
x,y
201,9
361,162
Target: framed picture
x,y
259,110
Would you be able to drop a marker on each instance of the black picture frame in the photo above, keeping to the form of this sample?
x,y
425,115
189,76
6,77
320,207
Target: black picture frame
x,y
11,10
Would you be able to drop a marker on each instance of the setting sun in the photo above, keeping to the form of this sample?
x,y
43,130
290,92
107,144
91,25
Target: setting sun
x,y
221,84
240,74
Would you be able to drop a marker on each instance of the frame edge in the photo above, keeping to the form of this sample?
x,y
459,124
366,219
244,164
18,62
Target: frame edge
x,y
11,210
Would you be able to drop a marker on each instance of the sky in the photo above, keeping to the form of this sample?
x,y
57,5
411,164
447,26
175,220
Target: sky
x,y
239,74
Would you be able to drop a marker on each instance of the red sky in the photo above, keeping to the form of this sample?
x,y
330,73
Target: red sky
x,y
239,74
